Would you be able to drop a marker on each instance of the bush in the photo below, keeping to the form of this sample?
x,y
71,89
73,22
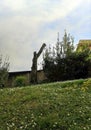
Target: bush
x,y
4,68
86,85
74,66
20,81
80,82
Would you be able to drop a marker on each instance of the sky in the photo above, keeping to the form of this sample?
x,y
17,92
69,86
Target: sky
x,y
26,24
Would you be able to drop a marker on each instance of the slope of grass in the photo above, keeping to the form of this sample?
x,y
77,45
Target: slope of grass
x,y
55,106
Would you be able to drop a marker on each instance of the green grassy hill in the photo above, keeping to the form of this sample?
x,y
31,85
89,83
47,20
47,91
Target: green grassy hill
x,y
54,106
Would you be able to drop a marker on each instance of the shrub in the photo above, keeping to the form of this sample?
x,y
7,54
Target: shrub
x,y
86,85
4,68
74,66
20,81
80,82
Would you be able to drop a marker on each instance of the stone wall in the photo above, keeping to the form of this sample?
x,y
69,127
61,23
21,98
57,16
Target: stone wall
x,y
12,75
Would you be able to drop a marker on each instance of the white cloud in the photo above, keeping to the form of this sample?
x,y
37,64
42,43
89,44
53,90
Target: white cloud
x,y
51,10
26,24
14,5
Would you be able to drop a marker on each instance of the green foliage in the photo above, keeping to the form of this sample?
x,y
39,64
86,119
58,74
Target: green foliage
x,y
20,81
65,63
74,66
55,106
61,49
86,85
80,82
83,45
67,45
4,66
77,65
54,59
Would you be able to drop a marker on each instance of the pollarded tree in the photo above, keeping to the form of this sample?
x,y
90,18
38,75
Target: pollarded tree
x,y
4,68
34,64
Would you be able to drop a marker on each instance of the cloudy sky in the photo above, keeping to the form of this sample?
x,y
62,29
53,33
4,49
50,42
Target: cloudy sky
x,y
26,24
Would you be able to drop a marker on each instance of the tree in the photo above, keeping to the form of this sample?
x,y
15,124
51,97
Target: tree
x,y
34,64
4,67
65,47
75,66
65,63
54,59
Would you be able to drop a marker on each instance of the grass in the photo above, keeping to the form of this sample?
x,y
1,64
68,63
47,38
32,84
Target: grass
x,y
54,106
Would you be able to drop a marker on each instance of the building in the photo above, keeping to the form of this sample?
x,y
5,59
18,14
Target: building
x,y
84,44
12,75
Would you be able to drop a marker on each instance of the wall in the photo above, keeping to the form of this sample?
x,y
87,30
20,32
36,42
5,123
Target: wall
x,y
12,75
